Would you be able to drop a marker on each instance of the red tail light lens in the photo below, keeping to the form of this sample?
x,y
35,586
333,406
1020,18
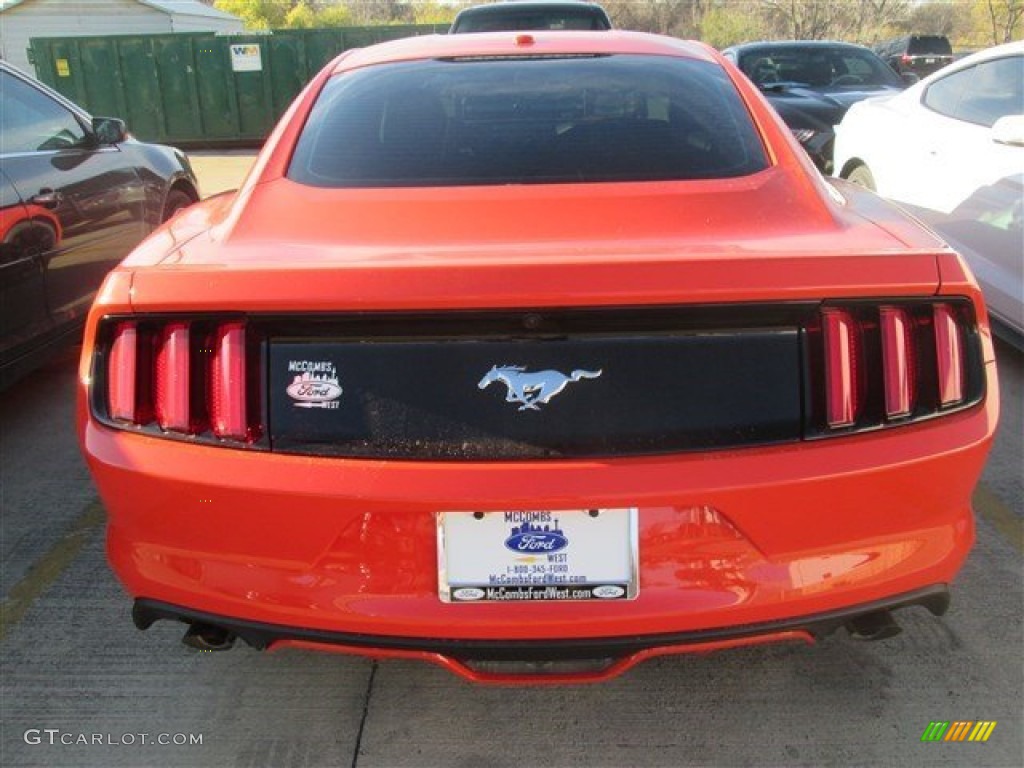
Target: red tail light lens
x,y
875,365
898,361
121,372
195,377
841,362
228,396
949,355
173,382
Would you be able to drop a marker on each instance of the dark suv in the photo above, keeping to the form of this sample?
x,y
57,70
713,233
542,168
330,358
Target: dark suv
x,y
917,54
561,14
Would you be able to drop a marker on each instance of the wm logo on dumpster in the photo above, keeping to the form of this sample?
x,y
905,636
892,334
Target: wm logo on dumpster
x,y
959,730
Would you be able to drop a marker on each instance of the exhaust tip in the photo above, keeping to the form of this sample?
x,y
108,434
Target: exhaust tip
x,y
879,625
205,637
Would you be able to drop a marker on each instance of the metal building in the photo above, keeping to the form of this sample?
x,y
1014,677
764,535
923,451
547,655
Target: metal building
x,y
21,20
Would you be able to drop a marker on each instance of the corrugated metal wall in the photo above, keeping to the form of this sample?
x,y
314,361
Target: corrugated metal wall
x,y
198,89
54,18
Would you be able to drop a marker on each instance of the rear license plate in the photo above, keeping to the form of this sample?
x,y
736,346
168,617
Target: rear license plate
x,y
537,555
929,61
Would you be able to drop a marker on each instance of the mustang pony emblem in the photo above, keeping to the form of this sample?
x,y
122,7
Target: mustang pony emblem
x,y
532,389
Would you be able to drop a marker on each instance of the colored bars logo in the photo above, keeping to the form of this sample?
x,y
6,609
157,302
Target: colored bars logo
x,y
959,730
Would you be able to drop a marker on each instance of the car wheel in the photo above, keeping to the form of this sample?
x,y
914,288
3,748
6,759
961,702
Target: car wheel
x,y
32,236
176,200
861,175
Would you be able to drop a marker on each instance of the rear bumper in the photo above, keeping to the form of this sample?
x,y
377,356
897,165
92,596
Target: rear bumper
x,y
612,655
263,636
727,539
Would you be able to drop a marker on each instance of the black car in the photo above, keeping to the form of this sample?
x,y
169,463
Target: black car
x,y
76,195
916,54
497,17
811,84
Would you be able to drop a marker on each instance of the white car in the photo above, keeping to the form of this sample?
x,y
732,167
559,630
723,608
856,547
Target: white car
x,y
951,150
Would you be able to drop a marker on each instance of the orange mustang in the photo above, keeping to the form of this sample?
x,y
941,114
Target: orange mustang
x,y
535,356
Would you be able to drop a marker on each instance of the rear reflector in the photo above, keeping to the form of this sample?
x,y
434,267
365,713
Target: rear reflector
x,y
172,378
228,383
949,354
898,361
841,361
121,373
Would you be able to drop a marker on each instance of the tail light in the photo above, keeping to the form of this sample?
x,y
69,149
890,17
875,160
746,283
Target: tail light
x,y
121,374
192,378
173,383
898,361
228,392
872,364
842,350
949,350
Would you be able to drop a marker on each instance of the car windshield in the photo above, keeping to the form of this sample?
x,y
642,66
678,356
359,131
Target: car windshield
x,y
511,120
501,18
929,44
818,67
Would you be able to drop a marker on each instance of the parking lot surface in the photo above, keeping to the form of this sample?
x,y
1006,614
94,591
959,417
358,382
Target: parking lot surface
x,y
82,687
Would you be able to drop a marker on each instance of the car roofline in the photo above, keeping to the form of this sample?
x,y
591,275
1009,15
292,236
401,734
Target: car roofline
x,y
761,44
38,84
519,43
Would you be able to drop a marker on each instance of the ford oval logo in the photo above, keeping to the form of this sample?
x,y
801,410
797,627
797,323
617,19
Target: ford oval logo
x,y
536,541
315,392
468,593
321,391
608,591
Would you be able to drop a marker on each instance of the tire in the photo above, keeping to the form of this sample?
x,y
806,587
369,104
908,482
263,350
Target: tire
x,y
861,175
176,200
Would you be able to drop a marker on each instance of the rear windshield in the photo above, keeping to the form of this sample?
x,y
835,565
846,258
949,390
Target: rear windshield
x,y
929,44
527,120
516,19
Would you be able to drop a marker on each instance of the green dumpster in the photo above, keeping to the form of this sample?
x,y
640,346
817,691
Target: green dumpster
x,y
198,89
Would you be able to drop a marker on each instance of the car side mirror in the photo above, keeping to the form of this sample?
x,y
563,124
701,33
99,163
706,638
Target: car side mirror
x,y
909,78
1009,130
109,130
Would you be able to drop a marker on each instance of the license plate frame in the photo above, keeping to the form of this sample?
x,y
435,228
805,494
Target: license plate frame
x,y
538,556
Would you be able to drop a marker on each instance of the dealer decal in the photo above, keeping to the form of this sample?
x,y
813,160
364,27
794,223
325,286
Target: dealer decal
x,y
315,384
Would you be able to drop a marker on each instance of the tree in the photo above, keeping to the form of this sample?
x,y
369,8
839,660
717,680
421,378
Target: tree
x,y
667,17
1005,18
257,14
935,18
334,15
381,11
301,16
430,12
722,26
831,19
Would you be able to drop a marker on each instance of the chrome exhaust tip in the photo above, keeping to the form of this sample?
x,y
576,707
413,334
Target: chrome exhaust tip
x,y
879,625
206,637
